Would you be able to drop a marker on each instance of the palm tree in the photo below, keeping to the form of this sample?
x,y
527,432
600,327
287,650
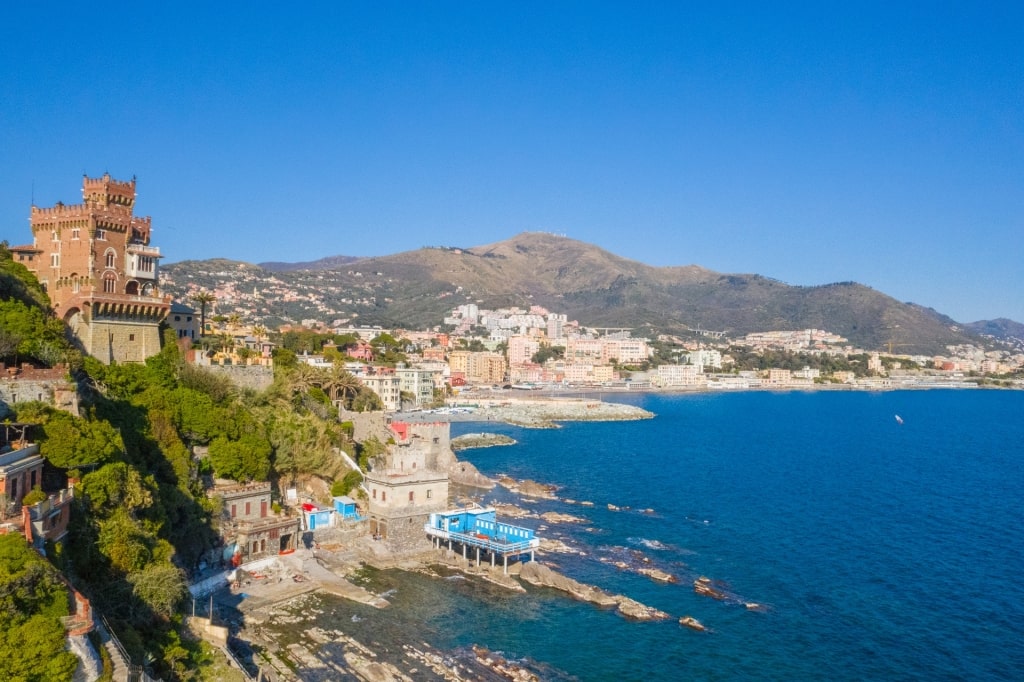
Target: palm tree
x,y
227,342
304,377
203,298
341,385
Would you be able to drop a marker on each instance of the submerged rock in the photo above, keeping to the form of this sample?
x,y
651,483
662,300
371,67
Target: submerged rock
x,y
692,623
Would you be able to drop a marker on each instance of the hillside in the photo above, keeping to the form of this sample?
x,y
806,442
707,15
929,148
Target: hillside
x,y
416,289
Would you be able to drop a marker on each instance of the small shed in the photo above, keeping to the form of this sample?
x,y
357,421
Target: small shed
x,y
345,508
316,517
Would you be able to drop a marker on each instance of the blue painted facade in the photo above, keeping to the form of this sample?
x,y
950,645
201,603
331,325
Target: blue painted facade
x,y
479,527
345,508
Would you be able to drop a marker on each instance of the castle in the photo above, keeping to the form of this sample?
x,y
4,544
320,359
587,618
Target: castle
x,y
95,262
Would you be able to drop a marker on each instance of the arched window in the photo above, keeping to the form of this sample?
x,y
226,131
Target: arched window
x,y
109,284
110,258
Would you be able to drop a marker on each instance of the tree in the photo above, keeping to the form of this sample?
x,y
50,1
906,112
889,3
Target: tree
x,y
225,342
341,385
548,352
35,495
367,401
160,586
32,602
69,442
245,459
203,298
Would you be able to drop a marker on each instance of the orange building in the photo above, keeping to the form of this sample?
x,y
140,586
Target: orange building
x,y
96,264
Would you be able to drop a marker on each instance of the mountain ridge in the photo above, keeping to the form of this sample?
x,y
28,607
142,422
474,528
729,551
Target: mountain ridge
x,y
600,289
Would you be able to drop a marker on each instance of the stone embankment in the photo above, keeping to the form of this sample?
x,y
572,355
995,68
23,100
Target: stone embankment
x,y
545,413
533,412
480,440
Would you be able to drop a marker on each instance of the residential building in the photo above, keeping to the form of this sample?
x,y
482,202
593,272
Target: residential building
x,y
679,375
388,388
184,321
21,469
521,349
417,382
705,357
96,264
248,524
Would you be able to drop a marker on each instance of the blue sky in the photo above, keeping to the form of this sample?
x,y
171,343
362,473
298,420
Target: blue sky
x,y
810,142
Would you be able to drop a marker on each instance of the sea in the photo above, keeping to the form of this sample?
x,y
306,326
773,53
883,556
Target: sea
x,y
872,549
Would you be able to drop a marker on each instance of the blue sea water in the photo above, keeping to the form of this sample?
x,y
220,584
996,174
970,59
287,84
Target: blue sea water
x,y
879,550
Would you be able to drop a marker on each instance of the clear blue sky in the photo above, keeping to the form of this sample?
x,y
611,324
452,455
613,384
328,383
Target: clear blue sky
x,y
820,142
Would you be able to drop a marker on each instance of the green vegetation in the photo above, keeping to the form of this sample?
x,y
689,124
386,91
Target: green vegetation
x,y
28,332
548,352
141,517
32,602
746,359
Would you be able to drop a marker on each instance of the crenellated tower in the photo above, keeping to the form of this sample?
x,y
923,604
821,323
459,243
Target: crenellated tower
x,y
96,264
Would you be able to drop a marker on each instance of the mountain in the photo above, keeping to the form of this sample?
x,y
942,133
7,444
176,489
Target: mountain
x,y
1006,331
322,264
415,289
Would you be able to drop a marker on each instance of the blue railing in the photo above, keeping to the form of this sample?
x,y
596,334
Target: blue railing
x,y
495,544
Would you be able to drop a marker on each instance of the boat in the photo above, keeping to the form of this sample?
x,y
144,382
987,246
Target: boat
x,y
899,419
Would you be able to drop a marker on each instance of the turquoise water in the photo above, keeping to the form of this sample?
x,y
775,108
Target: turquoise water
x,y
880,550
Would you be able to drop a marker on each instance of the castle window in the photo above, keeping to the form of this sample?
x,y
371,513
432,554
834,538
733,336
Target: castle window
x,y
131,337
412,495
101,235
76,233
110,259
383,496
108,285
54,237
54,260
430,494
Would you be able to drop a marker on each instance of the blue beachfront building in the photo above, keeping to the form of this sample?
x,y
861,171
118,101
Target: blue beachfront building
x,y
479,528
345,508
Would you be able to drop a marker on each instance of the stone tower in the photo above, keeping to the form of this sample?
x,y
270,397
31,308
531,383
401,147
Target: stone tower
x,y
407,484
95,263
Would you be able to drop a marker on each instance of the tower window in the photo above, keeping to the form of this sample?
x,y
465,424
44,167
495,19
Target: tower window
x,y
110,259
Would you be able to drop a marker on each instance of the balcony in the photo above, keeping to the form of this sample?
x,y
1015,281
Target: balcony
x,y
143,250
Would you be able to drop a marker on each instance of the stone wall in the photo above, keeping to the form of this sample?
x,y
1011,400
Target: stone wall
x,y
404,534
26,383
256,377
120,341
